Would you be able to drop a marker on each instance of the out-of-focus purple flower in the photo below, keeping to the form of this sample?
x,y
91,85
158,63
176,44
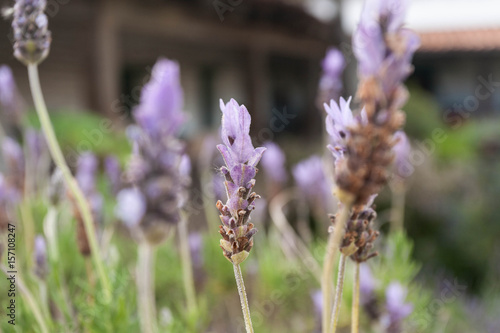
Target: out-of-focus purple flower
x,y
330,84
338,121
396,308
367,283
195,242
241,159
274,163
310,177
14,159
40,257
131,207
160,110
114,173
383,48
185,173
317,299
154,166
37,147
402,150
10,100
86,172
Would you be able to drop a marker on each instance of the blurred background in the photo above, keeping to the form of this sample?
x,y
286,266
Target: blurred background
x,y
267,55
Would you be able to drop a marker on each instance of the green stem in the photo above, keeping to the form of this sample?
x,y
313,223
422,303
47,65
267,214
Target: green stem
x,y
71,182
30,300
187,266
355,301
145,288
295,243
243,297
398,206
338,294
330,258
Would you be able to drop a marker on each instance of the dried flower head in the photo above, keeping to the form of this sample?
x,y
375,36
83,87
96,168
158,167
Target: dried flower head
x,y
31,35
241,159
359,235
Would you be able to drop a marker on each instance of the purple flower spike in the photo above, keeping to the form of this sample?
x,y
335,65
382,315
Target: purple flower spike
x,y
14,159
310,177
86,172
160,110
241,159
330,84
274,163
113,172
402,150
40,257
397,309
86,175
10,100
383,48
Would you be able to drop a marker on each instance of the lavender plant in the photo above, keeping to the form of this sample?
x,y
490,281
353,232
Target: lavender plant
x,y
32,41
241,159
159,173
362,145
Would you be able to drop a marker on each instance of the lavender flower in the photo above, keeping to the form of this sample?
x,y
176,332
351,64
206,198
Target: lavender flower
x,y
402,150
384,51
313,184
241,159
154,169
396,308
14,159
330,84
160,110
40,257
31,35
274,163
4,199
131,207
338,121
10,100
86,175
113,172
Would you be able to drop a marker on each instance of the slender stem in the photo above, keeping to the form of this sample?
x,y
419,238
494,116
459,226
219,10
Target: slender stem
x,y
295,243
243,297
30,300
72,184
28,226
398,206
330,257
145,288
355,301
338,294
187,266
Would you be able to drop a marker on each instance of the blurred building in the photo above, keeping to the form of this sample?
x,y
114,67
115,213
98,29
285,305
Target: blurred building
x,y
264,53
